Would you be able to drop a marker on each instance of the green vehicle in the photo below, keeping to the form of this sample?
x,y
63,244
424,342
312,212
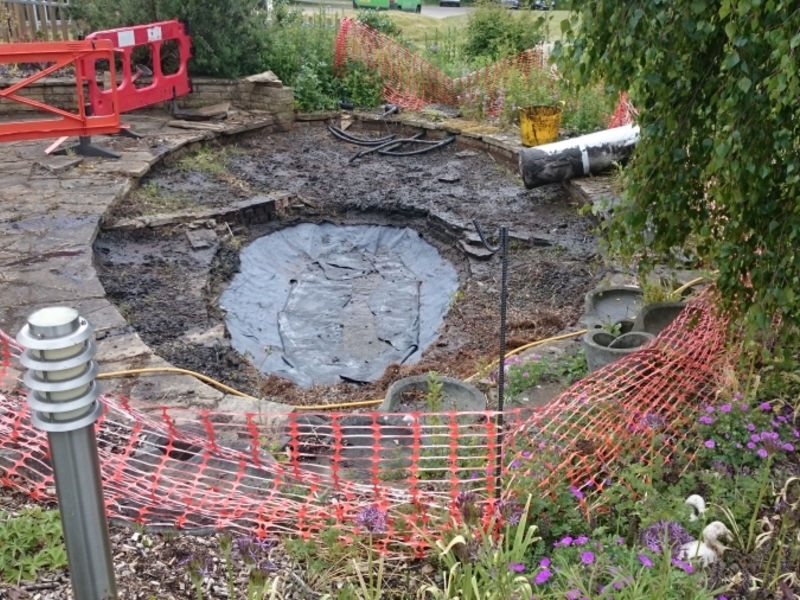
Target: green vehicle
x,y
405,5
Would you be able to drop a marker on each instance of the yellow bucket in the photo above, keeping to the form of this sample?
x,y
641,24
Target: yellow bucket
x,y
539,124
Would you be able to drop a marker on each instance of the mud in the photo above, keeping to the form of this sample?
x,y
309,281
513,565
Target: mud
x,y
169,293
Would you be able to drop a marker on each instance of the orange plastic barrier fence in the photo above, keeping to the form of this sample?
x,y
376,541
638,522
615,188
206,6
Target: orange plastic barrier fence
x,y
211,471
58,55
163,87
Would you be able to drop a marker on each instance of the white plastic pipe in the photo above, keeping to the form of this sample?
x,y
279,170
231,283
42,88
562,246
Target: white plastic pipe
x,y
588,154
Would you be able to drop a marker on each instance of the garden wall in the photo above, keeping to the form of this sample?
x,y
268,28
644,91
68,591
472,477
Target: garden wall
x,y
263,92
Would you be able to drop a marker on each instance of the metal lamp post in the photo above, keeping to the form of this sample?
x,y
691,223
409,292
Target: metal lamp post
x,y
64,402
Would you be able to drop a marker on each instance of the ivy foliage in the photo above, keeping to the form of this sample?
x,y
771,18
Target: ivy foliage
x,y
717,167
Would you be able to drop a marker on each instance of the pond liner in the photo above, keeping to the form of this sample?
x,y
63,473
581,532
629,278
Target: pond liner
x,y
321,303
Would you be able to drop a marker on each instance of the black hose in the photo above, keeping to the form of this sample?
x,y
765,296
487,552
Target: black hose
x,y
436,145
346,137
383,148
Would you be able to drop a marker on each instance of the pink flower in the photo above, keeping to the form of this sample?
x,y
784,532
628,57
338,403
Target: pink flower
x,y
709,444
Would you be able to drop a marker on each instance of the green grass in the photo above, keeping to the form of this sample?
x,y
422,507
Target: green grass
x,y
420,29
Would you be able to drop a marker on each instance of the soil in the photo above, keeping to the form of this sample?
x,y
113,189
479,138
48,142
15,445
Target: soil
x,y
169,292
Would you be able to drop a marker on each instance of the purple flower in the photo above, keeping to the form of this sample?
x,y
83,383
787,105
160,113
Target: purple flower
x,y
573,594
645,561
737,445
751,427
467,505
788,447
709,409
372,518
587,558
744,407
762,453
576,492
581,540
670,532
738,396
709,444
726,408
526,453
516,567
542,576
526,374
751,446
686,566
514,464
755,438
566,541
544,563
706,420
765,406
795,433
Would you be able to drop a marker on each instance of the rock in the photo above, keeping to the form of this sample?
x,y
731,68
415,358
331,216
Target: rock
x,y
200,239
267,77
450,177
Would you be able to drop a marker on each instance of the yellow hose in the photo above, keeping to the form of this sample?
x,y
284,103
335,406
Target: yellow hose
x,y
344,405
677,293
199,376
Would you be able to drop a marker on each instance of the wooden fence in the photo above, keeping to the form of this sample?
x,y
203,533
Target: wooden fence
x,y
28,20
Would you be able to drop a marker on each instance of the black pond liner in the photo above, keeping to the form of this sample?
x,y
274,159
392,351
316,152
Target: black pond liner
x,y
322,303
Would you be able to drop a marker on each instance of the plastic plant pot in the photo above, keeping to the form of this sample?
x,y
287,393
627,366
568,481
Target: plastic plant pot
x,y
656,317
603,348
458,396
611,305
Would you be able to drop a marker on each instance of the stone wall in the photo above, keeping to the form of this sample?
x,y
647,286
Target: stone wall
x,y
263,92
59,93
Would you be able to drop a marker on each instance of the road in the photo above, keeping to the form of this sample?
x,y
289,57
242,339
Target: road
x,y
436,12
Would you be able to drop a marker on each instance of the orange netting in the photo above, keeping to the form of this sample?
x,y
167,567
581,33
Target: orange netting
x,y
624,113
299,473
410,81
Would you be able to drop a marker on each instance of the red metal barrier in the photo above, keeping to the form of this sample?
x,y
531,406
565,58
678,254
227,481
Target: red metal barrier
x,y
162,88
58,55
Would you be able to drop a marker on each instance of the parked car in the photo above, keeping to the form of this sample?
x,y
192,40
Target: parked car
x,y
540,5
512,4
456,3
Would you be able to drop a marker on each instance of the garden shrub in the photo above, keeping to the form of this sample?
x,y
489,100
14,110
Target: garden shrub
x,y
227,34
494,32
379,21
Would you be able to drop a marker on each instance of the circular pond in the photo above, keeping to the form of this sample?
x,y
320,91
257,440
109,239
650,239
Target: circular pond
x,y
324,303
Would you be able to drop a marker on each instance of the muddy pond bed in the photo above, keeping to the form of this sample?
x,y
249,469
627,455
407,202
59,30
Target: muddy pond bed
x,y
168,281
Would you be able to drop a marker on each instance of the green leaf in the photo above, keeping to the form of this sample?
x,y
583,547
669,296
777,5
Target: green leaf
x,y
731,61
730,30
745,84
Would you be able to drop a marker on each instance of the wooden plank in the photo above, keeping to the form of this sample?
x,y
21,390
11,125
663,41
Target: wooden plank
x,y
61,11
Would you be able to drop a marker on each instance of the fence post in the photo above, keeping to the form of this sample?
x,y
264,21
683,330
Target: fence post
x,y
63,397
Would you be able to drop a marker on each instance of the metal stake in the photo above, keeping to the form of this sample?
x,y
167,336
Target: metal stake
x,y
64,402
501,373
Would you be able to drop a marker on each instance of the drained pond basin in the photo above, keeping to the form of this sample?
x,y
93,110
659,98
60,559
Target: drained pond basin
x,y
372,272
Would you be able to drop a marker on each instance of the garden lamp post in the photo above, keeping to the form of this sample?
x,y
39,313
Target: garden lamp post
x,y
64,402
